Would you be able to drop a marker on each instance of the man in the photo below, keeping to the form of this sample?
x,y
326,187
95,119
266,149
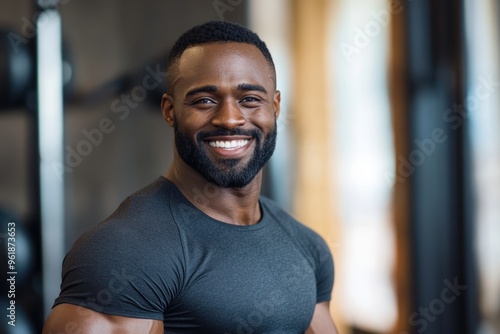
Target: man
x,y
200,251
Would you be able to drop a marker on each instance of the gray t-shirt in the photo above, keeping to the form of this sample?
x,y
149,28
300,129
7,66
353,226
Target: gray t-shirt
x,y
159,257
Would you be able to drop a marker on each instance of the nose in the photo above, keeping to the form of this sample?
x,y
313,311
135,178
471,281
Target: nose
x,y
228,115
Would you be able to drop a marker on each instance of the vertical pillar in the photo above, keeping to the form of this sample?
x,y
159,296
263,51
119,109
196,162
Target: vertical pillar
x,y
50,130
314,202
442,254
311,120
401,196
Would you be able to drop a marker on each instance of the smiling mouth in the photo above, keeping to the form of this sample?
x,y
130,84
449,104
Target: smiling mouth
x,y
228,144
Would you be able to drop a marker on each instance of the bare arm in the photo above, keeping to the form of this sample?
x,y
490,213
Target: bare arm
x,y
67,318
322,322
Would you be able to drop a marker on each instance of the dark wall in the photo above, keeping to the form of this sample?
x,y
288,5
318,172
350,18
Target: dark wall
x,y
112,47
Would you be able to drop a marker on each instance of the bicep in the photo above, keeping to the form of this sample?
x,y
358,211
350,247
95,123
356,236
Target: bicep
x,y
68,318
322,321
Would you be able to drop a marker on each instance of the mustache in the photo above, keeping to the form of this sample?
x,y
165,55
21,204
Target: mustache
x,y
225,132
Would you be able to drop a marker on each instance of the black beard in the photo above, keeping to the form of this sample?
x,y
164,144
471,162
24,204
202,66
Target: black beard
x,y
230,175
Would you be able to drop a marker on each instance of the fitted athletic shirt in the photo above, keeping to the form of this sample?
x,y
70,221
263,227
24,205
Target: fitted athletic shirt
x,y
159,257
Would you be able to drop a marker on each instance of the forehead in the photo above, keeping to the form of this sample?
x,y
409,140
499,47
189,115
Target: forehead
x,y
223,63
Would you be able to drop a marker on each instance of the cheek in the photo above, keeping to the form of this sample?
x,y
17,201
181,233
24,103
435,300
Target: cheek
x,y
188,123
264,119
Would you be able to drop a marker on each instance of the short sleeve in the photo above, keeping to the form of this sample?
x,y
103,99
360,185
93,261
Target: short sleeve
x,y
124,268
324,271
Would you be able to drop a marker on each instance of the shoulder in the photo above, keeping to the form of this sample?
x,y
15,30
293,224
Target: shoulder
x,y
140,219
308,241
152,201
118,260
142,226
292,226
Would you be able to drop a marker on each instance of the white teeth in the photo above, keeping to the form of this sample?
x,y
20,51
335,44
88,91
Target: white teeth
x,y
229,144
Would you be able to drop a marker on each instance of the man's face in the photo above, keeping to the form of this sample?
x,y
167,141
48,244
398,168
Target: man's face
x,y
224,110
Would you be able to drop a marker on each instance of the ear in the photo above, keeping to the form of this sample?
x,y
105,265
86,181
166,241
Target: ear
x,y
167,109
276,103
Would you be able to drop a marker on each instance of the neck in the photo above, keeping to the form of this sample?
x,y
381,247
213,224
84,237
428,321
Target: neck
x,y
237,206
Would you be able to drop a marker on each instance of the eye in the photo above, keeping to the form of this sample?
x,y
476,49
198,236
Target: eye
x,y
203,100
250,100
203,103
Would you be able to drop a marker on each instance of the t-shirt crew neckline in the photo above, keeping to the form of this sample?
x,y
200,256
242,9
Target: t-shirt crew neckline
x,y
179,196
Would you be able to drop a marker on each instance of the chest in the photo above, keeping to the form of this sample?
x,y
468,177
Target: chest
x,y
245,285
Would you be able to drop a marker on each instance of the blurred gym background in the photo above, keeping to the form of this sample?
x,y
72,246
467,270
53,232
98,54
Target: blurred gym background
x,y
389,142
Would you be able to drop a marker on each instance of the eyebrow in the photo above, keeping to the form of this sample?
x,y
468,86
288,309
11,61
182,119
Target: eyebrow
x,y
245,87
212,89
203,89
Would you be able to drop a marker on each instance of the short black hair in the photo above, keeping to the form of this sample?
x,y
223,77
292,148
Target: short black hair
x,y
215,32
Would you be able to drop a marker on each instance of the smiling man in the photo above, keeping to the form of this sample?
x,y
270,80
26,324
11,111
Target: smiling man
x,y
200,251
